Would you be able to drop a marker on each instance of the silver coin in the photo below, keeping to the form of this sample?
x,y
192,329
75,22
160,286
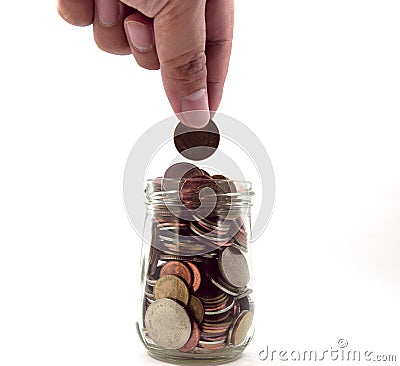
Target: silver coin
x,y
168,324
225,287
233,266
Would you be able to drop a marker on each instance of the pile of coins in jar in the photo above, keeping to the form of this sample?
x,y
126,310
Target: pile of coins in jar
x,y
197,297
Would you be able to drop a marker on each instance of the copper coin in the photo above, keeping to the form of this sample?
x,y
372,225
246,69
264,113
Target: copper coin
x,y
196,276
194,338
196,143
172,287
177,172
196,307
226,184
191,187
178,269
241,327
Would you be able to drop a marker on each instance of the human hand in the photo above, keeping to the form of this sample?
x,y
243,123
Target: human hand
x,y
188,40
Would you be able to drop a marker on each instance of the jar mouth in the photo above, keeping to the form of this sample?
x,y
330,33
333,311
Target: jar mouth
x,y
228,193
241,185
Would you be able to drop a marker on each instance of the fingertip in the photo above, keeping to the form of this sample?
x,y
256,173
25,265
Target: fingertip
x,y
195,109
80,15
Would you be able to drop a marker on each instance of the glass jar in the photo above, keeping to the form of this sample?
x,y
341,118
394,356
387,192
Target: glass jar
x,y
196,296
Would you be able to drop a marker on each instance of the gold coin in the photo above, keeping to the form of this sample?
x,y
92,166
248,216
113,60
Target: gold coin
x,y
172,287
196,307
241,327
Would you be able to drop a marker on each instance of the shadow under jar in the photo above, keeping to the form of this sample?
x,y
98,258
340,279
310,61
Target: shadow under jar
x,y
195,274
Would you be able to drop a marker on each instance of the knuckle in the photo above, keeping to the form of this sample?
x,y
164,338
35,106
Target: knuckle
x,y
187,69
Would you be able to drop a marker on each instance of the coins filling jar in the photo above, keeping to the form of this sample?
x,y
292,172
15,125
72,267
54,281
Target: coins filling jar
x,y
197,295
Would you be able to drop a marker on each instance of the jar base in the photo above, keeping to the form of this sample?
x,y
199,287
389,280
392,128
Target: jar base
x,y
228,354
197,356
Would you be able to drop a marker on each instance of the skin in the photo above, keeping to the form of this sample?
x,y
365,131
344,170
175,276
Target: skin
x,y
188,40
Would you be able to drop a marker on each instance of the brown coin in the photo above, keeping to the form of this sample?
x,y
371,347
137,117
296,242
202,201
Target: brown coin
x,y
191,187
153,260
172,287
241,326
178,269
226,184
196,276
194,338
177,172
196,307
196,143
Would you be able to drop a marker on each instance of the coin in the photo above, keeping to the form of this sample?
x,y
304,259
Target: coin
x,y
233,266
194,338
226,184
212,346
172,287
196,276
196,308
196,143
178,269
241,327
177,172
191,188
168,324
222,285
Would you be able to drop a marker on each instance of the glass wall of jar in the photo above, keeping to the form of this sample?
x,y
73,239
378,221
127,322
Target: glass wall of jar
x,y
197,295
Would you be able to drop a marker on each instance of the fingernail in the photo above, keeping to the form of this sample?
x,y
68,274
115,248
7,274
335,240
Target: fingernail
x,y
140,35
108,12
195,111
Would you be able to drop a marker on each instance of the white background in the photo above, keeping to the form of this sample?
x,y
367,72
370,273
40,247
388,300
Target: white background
x,y
317,81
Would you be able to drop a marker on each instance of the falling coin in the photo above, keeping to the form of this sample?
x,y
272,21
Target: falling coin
x,y
172,287
241,327
178,269
196,143
168,324
233,266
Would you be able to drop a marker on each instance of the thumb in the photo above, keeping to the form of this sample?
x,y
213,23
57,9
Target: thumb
x,y
180,37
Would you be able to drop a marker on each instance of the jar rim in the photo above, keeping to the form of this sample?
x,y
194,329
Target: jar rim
x,y
158,179
157,194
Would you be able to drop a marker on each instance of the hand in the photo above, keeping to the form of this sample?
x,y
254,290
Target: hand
x,y
189,40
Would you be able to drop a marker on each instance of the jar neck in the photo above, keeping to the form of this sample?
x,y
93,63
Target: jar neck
x,y
233,195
